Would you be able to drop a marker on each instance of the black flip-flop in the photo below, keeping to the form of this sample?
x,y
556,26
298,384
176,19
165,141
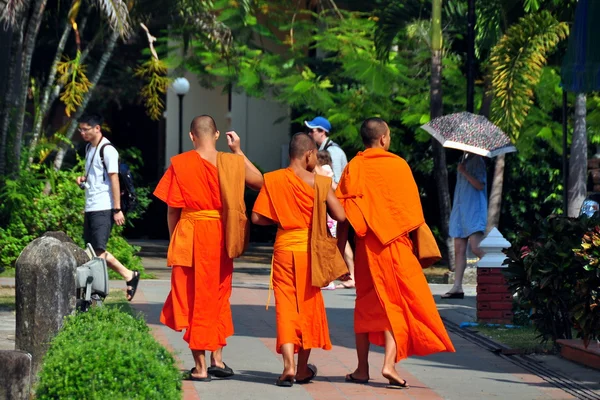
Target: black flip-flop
x,y
284,382
350,378
313,370
133,283
219,372
398,385
190,377
457,295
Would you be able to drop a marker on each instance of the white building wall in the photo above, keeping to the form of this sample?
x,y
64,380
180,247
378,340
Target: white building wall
x,y
198,101
253,119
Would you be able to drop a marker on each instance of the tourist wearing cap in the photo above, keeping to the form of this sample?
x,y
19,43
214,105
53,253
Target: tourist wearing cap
x,y
319,129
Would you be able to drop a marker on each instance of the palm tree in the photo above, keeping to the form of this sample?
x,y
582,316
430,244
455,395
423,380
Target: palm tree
x,y
516,64
393,17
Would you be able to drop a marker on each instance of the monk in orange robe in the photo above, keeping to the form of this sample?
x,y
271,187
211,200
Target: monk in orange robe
x,y
394,306
287,199
201,267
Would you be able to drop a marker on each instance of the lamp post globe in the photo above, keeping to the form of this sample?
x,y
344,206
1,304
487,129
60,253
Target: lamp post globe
x,y
181,86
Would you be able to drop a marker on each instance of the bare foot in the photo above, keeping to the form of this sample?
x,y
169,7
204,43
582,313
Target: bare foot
x,y
346,285
358,376
288,375
392,376
198,374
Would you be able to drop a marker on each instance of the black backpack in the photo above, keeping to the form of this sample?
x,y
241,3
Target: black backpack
x,y
129,199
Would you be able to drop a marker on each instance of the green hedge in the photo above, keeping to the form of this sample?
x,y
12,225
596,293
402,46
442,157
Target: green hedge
x,y
106,353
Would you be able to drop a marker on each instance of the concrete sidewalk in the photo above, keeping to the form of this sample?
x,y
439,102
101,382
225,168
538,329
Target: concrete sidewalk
x,y
470,373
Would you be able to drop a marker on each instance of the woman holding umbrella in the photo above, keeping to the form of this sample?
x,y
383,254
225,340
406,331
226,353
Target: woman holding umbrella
x,y
468,218
478,138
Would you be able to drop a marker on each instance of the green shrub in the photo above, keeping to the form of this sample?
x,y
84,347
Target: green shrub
x,y
545,274
26,212
106,353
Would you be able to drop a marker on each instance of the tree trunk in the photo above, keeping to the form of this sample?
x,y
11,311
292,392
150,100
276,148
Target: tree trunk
x,y
495,202
41,113
578,159
28,49
11,101
435,110
58,161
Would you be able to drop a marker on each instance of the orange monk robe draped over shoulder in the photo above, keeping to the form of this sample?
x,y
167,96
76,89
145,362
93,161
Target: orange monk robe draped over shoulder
x,y
201,270
391,290
300,311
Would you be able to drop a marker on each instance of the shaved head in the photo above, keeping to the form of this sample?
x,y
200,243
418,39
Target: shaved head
x,y
372,129
300,144
203,125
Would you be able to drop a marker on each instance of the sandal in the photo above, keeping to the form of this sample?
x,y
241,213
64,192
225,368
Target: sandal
x,y
132,285
398,385
456,295
351,378
219,372
189,377
288,382
313,370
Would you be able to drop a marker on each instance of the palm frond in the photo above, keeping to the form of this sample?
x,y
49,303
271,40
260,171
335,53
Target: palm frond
x,y
391,20
117,14
10,10
516,64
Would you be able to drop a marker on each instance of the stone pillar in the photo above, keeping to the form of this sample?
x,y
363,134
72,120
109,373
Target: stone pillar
x,y
494,301
45,294
15,375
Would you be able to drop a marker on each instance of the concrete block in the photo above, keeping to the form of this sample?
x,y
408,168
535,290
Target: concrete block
x,y
15,375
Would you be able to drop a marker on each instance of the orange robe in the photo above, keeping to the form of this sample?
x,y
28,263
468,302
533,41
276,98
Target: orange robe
x,y
201,270
382,203
300,311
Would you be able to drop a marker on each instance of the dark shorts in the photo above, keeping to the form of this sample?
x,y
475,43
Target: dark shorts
x,y
96,229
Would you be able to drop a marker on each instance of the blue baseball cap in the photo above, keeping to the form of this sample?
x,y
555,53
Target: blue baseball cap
x,y
319,122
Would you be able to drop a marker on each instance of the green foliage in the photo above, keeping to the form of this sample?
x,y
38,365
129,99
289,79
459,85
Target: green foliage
x,y
107,354
545,274
26,212
71,74
516,66
154,74
586,312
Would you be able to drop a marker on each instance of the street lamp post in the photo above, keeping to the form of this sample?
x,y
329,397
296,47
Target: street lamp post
x,y
181,86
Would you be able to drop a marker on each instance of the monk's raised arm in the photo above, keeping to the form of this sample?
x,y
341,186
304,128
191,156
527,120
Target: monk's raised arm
x,y
173,215
254,179
334,207
259,219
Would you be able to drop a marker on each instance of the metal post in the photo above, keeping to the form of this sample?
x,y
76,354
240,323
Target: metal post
x,y
565,161
180,122
470,55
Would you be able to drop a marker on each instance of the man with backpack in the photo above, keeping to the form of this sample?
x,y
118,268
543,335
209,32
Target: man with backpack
x,y
319,129
102,196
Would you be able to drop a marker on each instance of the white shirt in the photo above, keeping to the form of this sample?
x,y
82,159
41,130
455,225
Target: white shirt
x,y
98,195
338,158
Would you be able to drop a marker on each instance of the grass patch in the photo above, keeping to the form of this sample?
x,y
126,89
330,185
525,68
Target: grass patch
x,y
116,298
8,273
436,274
7,299
524,339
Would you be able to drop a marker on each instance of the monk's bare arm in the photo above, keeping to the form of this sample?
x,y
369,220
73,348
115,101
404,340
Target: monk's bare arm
x,y
258,219
173,215
342,236
334,207
254,179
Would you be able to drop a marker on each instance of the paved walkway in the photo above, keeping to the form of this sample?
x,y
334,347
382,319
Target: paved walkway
x,y
470,373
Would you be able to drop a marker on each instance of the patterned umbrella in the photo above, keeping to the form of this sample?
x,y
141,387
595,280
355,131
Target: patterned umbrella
x,y
470,132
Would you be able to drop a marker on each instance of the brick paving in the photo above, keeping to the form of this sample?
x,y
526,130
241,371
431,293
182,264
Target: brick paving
x,y
471,373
